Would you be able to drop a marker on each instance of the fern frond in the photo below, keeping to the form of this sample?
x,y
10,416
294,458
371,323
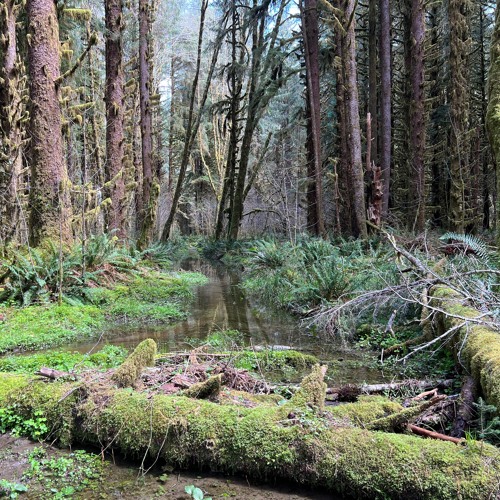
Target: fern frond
x,y
472,244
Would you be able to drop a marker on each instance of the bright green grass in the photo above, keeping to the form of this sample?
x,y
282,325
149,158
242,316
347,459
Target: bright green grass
x,y
108,357
151,298
38,327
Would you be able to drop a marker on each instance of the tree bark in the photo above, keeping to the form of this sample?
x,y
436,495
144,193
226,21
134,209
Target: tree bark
x,y
353,120
147,216
115,113
11,112
417,118
310,32
466,411
50,215
385,102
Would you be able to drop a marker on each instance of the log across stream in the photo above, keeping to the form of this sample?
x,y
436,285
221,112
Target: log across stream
x,y
353,450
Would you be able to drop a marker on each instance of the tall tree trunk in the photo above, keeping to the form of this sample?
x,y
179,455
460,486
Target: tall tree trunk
x,y
146,219
437,185
192,122
235,95
459,113
372,78
353,122
493,115
385,102
50,215
417,118
310,32
115,112
344,204
11,110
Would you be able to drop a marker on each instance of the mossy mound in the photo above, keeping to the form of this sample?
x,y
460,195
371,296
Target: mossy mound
x,y
366,410
143,356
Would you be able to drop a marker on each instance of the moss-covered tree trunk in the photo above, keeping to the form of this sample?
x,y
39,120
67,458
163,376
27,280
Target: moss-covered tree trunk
x,y
353,128
476,344
115,112
11,113
460,178
416,193
385,103
50,215
148,202
493,114
297,441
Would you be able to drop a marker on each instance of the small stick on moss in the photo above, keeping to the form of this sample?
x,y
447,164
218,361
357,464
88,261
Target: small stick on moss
x,y
433,435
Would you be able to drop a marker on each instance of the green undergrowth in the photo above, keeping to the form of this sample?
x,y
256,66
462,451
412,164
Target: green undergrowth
x,y
63,476
38,327
51,296
269,360
151,297
108,357
311,272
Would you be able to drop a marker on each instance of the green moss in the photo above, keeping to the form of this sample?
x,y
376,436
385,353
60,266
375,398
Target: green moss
x,y
312,390
130,311
8,383
152,297
108,357
155,298
368,409
209,388
478,346
48,326
274,360
267,442
143,356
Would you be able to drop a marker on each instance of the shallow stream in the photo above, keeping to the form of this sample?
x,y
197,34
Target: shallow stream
x,y
221,304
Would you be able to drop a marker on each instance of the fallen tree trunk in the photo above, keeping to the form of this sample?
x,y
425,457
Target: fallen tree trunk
x,y
475,342
296,441
350,392
54,374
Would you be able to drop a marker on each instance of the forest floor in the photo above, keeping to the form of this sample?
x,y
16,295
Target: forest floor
x,y
299,279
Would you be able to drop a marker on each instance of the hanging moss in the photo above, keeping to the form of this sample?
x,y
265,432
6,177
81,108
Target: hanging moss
x,y
78,14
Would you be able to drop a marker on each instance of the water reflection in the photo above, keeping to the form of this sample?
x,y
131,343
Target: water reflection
x,y
221,304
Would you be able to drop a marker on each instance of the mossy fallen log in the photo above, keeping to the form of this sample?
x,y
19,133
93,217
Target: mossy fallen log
x,y
294,441
477,345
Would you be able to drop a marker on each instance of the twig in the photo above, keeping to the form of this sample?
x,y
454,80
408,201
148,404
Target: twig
x,y
434,435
